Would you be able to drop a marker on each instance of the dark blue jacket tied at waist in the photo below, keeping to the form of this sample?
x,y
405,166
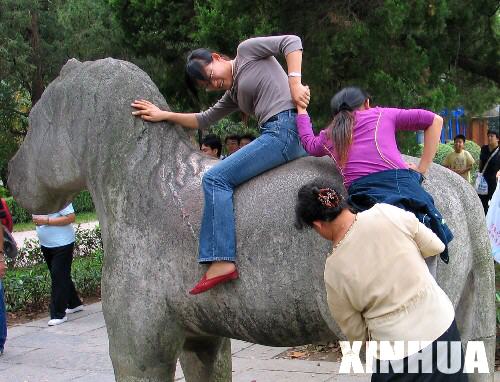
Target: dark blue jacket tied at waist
x,y
401,188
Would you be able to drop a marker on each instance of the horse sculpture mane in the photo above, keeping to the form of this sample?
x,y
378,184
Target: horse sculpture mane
x,y
145,181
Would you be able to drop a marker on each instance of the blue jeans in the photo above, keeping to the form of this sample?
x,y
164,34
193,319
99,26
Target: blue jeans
x,y
3,319
278,143
401,188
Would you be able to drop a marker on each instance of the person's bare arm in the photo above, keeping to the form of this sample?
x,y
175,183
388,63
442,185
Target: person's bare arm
x,y
300,93
152,113
58,221
431,141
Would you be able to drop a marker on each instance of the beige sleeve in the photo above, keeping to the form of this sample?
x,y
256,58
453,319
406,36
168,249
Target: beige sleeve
x,y
470,159
350,321
427,241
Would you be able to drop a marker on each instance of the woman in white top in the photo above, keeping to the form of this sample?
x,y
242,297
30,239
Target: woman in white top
x,y
378,285
57,240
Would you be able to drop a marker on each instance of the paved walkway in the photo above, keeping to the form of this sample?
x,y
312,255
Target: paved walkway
x,y
77,351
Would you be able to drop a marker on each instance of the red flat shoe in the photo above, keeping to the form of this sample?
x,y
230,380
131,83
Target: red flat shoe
x,y
206,284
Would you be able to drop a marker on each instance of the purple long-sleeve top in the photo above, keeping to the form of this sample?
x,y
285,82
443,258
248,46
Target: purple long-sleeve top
x,y
374,146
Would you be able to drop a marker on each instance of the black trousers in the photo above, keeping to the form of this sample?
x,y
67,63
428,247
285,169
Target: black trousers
x,y
451,334
63,292
484,200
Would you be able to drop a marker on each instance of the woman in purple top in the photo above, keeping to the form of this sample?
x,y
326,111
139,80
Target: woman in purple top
x,y
256,84
362,142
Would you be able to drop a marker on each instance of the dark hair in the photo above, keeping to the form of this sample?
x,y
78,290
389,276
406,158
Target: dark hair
x,y
235,137
492,132
214,142
459,136
340,129
319,199
196,62
248,136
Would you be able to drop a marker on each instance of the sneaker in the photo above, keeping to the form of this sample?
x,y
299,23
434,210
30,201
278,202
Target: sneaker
x,y
57,321
79,308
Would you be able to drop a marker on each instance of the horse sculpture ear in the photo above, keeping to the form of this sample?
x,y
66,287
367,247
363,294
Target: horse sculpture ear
x,y
72,63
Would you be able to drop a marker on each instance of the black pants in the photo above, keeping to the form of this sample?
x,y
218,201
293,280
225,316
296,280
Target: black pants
x,y
451,334
63,294
484,200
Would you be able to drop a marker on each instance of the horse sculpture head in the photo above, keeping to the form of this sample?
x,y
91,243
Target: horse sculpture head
x,y
145,181
85,109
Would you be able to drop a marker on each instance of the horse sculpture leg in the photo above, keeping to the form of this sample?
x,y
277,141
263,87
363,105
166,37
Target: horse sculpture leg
x,y
207,359
145,339
144,358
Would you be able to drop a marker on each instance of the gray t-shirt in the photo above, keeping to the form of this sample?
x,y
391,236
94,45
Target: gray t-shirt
x,y
260,85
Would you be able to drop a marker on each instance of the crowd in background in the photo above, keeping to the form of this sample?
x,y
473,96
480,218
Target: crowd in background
x,y
211,144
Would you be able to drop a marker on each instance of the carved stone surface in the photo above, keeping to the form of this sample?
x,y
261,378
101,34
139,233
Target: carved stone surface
x,y
145,182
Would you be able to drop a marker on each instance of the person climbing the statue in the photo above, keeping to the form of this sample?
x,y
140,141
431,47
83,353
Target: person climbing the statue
x,y
361,140
255,83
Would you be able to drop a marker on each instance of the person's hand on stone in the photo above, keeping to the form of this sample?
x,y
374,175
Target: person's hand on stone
x,y
148,111
416,168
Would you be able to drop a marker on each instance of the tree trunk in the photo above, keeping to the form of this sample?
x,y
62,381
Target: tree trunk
x,y
37,86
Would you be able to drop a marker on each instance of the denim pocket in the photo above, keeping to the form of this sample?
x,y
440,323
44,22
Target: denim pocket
x,y
270,127
290,144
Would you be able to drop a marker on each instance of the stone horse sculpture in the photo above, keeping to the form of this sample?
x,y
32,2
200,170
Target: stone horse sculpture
x,y
145,182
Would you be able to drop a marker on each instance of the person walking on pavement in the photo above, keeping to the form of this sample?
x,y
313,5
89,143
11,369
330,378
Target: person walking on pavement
x,y
57,241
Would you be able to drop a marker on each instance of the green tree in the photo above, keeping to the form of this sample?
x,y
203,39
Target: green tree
x,y
14,106
419,53
36,38
161,33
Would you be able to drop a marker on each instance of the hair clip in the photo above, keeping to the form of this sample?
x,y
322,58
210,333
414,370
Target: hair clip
x,y
329,198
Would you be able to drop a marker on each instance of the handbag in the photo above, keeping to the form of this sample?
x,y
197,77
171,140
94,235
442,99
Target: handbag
x,y
9,244
481,185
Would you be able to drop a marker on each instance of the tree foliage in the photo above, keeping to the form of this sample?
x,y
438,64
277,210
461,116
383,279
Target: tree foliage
x,y
417,53
36,38
427,53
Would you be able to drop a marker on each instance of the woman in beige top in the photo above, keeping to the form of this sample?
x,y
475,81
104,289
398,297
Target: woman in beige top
x,y
378,285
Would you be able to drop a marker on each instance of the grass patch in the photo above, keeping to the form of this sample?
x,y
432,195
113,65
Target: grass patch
x,y
82,217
